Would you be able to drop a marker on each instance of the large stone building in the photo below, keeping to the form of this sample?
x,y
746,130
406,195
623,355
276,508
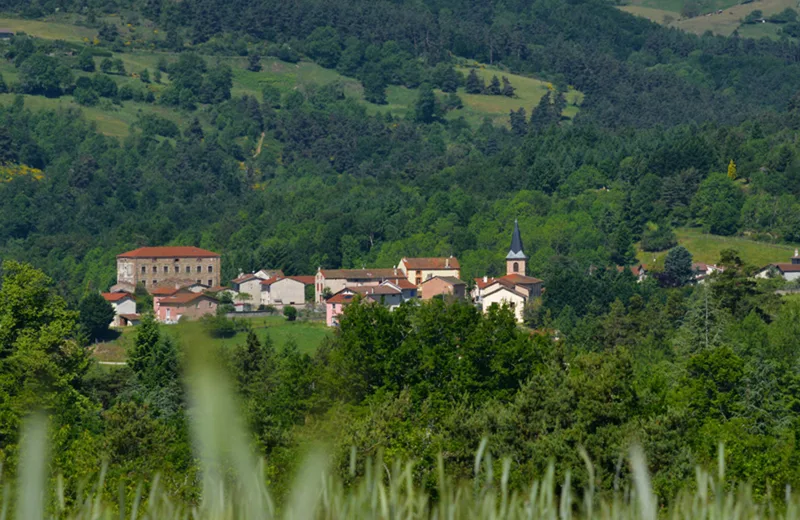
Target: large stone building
x,y
418,270
149,265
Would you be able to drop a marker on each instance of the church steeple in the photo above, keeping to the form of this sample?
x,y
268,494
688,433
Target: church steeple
x,y
516,259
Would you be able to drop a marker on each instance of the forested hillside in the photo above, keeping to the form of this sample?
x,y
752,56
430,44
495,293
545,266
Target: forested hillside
x,y
306,134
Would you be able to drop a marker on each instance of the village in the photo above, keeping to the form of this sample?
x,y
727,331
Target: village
x,y
184,283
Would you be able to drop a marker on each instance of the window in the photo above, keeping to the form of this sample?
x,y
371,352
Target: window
x,y
166,269
516,267
210,283
144,282
144,269
198,281
155,281
177,269
199,270
188,269
210,268
155,269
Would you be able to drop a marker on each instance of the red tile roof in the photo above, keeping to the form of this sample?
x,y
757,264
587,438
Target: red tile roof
x,y
184,298
375,289
509,280
403,283
788,268
340,297
245,278
431,263
307,280
165,290
362,274
452,280
169,252
131,317
115,296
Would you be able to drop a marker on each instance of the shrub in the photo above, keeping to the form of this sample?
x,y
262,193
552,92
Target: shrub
x,y
219,326
290,313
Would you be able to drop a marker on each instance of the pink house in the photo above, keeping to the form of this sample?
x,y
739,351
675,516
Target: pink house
x,y
388,294
184,305
334,306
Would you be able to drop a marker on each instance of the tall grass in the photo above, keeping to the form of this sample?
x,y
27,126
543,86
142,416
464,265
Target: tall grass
x,y
234,489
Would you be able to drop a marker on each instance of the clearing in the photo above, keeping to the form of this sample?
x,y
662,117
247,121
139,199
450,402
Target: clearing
x,y
724,23
706,248
307,335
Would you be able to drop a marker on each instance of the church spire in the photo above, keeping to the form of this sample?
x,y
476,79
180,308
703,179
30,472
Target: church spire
x,y
515,252
516,259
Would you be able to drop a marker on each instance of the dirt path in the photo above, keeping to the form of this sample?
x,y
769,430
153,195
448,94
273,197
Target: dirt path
x,y
258,148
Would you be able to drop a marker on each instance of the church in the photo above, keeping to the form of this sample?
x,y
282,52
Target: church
x,y
515,288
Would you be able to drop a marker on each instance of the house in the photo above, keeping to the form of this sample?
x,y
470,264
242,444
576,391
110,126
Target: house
x,y
443,286
266,274
185,305
702,271
417,270
387,293
789,271
283,290
6,34
248,290
123,304
334,280
149,265
515,288
639,271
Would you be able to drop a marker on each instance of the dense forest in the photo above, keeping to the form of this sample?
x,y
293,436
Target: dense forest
x,y
674,130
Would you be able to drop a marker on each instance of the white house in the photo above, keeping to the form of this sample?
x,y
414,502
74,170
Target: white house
x,y
788,271
282,290
124,308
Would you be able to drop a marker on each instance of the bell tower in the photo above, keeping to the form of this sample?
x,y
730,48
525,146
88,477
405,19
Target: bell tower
x,y
516,260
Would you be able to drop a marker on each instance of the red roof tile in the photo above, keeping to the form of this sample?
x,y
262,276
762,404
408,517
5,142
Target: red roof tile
x,y
788,268
169,252
307,280
452,280
362,274
115,296
403,283
340,297
131,317
245,278
165,290
431,263
184,298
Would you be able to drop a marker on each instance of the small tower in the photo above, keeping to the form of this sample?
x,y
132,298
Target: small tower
x,y
796,257
516,260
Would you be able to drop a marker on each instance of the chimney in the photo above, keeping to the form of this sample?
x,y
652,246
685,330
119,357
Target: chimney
x,y
796,253
485,278
447,263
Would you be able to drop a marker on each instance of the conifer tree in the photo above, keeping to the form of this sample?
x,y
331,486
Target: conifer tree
x,y
508,90
474,84
494,88
519,122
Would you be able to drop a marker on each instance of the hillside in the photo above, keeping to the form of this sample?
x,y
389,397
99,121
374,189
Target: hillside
x,y
722,17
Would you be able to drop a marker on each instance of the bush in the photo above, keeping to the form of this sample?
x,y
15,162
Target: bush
x,y
658,237
290,313
219,326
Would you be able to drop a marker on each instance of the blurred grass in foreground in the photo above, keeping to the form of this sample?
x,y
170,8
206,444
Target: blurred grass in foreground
x,y
233,484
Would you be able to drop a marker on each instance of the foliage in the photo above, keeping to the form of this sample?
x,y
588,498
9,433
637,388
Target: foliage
x,y
678,267
96,314
290,312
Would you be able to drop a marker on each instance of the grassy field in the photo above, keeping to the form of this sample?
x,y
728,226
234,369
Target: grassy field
x,y
305,334
724,23
706,248
760,30
49,30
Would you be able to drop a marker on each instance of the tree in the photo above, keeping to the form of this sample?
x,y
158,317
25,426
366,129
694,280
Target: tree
x,y
41,360
732,170
144,344
426,108
271,96
375,88
107,66
157,76
254,63
86,61
508,90
119,67
474,84
145,76
324,47
544,115
622,250
678,267
494,89
446,77
290,313
519,121
96,314
43,75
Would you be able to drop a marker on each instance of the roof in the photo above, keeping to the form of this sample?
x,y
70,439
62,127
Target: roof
x,y
635,269
519,279
245,278
341,297
452,280
515,251
115,296
362,274
306,280
218,288
131,317
503,287
376,289
787,268
184,298
164,290
403,283
431,263
169,252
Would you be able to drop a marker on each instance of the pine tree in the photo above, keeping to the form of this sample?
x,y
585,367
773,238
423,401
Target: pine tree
x,y
519,122
254,63
494,88
543,115
732,170
474,84
508,90
425,109
145,342
96,315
